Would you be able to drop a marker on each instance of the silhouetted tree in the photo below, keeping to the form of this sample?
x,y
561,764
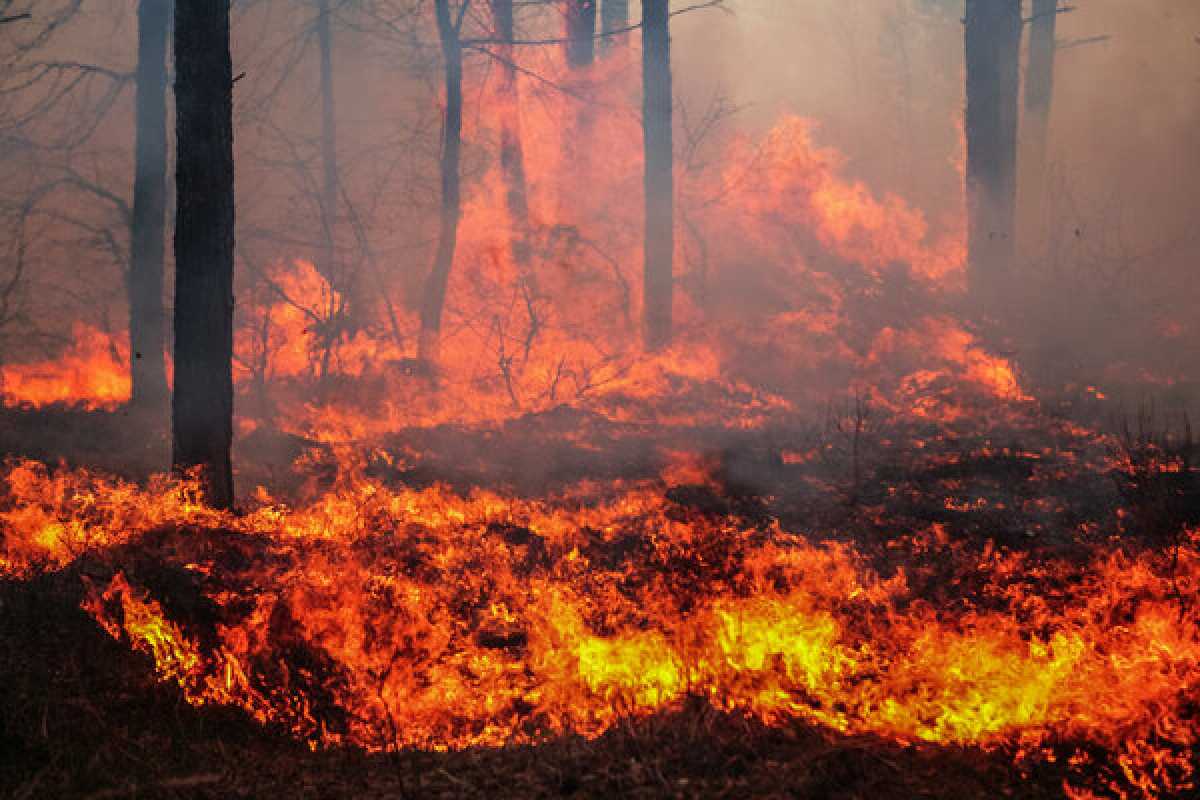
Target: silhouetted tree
x,y
581,32
614,16
1039,91
1039,78
329,164
449,25
659,174
993,45
147,332
202,405
512,153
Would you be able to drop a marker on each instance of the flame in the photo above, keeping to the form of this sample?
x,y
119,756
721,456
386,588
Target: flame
x,y
369,614
93,373
437,620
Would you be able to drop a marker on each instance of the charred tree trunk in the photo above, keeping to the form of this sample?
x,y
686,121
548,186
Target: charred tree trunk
x,y
658,287
614,16
1039,92
439,277
147,317
578,136
329,165
581,33
512,152
1039,81
993,45
202,406
327,263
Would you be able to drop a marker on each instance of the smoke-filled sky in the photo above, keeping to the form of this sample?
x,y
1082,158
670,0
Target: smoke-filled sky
x,y
884,80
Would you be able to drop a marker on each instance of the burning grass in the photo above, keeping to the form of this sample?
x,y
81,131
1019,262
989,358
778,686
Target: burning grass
x,y
553,564
392,619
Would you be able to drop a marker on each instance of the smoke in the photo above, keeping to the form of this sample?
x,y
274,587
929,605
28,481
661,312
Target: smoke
x,y
1108,247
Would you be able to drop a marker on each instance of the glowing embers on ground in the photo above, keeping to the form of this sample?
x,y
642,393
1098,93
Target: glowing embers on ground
x,y
390,617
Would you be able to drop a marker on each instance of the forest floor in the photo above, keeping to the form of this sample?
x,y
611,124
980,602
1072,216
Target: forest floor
x,y
81,715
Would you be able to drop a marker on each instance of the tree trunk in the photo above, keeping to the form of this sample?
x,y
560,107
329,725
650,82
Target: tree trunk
x,y
439,277
659,174
327,264
1039,92
614,16
993,45
202,407
581,33
329,165
1039,83
147,317
512,152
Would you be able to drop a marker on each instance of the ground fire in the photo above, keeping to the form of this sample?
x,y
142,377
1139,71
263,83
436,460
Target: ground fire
x,y
545,422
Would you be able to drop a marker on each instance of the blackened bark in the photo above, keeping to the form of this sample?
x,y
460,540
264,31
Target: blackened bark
x,y
993,45
202,406
659,174
439,276
512,151
614,16
581,32
147,317
329,165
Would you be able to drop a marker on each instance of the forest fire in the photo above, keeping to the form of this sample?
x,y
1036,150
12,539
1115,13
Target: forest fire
x,y
93,373
521,403
393,618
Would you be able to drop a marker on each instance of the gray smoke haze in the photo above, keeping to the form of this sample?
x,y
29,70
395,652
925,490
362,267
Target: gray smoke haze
x,y
1110,257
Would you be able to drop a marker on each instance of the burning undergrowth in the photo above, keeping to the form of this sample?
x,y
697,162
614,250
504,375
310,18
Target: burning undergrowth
x,y
391,618
551,535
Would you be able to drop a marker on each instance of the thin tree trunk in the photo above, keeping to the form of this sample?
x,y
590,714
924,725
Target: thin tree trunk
x,y
1039,83
993,45
147,317
1039,92
578,134
329,189
439,277
614,16
581,33
202,406
512,152
659,174
329,165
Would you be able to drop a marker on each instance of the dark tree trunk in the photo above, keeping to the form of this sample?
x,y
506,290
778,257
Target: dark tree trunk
x,y
329,165
659,174
993,46
327,263
147,317
614,16
512,152
581,32
1039,83
202,407
439,276
1039,92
